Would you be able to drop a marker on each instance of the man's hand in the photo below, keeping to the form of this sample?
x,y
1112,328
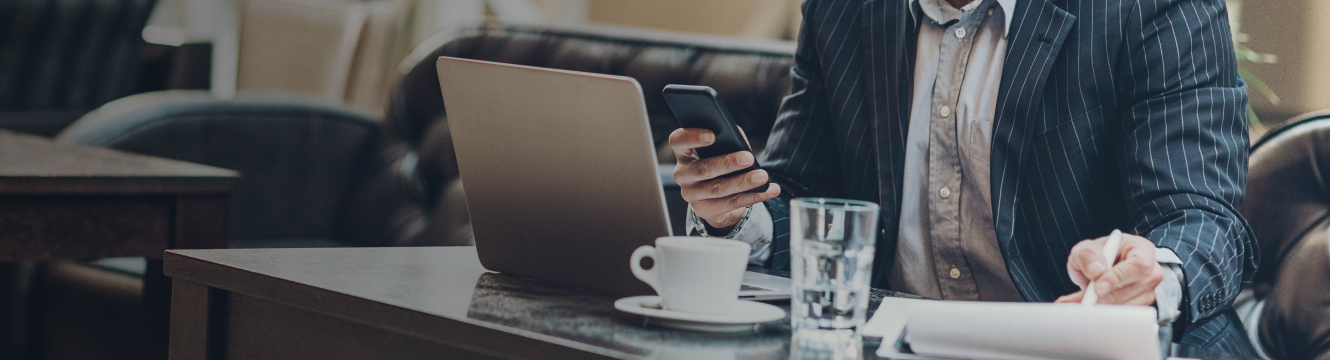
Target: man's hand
x,y
720,202
1131,282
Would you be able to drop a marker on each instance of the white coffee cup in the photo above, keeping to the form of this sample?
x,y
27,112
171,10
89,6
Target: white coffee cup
x,y
694,274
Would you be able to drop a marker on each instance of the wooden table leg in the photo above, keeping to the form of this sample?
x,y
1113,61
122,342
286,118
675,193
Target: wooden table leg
x,y
201,222
191,305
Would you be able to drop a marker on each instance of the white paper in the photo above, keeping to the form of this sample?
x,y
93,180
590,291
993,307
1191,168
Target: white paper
x,y
981,330
890,317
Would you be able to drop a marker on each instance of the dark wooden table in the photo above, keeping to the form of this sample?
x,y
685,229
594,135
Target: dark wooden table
x,y
418,303
61,201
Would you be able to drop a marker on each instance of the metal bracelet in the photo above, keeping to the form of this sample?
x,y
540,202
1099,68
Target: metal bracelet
x,y
701,226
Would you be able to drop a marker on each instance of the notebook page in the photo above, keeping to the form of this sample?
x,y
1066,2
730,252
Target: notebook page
x,y
1017,330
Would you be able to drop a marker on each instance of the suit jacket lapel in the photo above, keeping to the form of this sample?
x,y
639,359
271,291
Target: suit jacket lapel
x,y
1036,36
890,30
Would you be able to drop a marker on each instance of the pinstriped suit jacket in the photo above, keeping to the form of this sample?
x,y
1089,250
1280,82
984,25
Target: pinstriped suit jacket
x,y
1111,114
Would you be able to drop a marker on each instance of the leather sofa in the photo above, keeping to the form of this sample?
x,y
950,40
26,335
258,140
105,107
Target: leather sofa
x,y
751,76
1288,206
61,58
318,175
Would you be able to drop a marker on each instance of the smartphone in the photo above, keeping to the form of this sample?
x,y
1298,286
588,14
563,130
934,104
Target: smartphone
x,y
699,107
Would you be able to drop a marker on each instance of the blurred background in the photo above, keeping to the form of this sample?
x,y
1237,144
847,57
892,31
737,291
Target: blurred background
x,y
60,58
331,111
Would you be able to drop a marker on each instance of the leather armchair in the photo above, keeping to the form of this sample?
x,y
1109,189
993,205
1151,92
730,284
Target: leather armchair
x,y
298,158
1288,206
299,161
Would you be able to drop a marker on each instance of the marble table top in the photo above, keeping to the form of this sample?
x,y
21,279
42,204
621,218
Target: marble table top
x,y
449,283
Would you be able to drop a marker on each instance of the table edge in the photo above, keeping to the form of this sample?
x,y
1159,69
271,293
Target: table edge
x,y
185,267
118,185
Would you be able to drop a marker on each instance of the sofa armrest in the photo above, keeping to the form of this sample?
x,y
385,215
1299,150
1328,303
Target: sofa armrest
x,y
298,158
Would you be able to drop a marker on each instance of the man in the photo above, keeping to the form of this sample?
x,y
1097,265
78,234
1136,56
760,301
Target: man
x,y
999,134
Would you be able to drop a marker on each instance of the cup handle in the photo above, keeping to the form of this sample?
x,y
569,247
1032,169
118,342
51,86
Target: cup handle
x,y
651,277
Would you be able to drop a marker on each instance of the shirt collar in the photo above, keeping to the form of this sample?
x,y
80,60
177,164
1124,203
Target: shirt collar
x,y
1008,7
1008,10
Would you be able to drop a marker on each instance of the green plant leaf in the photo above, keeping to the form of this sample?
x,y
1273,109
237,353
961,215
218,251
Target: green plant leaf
x,y
1252,120
1255,83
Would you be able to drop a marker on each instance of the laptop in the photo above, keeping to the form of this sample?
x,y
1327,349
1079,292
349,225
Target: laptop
x,y
559,172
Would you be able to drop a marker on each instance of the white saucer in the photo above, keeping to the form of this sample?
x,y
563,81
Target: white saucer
x,y
745,317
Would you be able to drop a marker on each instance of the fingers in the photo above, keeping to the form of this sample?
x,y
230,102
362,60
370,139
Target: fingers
x,y
714,198
714,210
1140,293
1130,281
684,140
1136,262
692,172
722,187
1071,298
1086,261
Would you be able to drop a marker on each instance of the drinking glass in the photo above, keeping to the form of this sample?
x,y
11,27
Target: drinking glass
x,y
831,245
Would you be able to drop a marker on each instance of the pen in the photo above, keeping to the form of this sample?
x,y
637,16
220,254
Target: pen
x,y
1110,256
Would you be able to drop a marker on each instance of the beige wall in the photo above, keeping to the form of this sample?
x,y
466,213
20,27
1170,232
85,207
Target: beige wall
x,y
1298,33
340,51
746,18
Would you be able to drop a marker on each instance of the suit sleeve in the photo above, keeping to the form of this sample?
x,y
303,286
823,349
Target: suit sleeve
x,y
1184,154
800,153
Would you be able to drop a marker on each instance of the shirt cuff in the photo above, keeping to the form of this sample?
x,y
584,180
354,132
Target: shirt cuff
x,y
755,229
1168,294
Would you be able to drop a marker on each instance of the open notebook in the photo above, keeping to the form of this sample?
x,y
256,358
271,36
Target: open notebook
x,y
982,330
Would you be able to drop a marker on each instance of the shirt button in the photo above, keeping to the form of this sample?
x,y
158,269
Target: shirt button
x,y
955,273
960,33
944,111
944,193
990,11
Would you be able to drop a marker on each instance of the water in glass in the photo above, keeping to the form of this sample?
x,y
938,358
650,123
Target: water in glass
x,y
832,243
833,294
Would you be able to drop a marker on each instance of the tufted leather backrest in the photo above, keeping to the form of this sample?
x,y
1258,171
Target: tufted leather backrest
x,y
1288,197
69,54
409,201
61,58
298,159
